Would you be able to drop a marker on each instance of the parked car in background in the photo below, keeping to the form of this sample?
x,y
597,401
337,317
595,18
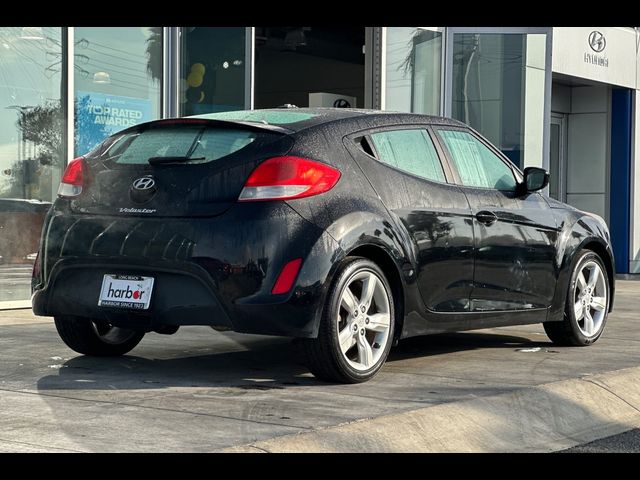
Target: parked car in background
x,y
20,226
350,229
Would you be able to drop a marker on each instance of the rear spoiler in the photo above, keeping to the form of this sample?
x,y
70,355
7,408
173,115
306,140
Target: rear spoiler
x,y
237,124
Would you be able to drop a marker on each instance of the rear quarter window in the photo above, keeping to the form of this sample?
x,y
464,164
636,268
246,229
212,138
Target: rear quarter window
x,y
411,151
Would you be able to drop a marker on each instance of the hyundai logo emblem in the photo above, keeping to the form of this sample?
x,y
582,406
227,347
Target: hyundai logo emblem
x,y
341,103
144,183
597,41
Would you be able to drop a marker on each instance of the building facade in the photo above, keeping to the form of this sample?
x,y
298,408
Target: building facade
x,y
561,98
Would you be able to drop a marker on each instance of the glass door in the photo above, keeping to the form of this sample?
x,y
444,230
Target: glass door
x,y
215,69
31,149
117,76
498,82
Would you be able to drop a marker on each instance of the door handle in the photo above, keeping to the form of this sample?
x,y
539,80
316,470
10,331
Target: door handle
x,y
487,218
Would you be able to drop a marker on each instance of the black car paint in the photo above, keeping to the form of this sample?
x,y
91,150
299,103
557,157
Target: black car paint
x,y
218,269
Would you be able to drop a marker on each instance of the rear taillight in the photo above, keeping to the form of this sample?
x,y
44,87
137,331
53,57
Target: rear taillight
x,y
73,179
286,178
37,267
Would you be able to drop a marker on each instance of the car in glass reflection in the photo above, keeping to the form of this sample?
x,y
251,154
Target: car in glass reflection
x,y
349,229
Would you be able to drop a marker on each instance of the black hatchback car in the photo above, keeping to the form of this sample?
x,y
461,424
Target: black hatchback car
x,y
350,229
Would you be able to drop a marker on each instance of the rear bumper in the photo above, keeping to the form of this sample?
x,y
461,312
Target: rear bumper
x,y
223,277
182,295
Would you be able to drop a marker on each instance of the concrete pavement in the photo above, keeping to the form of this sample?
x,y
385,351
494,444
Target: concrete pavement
x,y
201,390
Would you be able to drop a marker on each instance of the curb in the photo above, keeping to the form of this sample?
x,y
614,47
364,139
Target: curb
x,y
544,418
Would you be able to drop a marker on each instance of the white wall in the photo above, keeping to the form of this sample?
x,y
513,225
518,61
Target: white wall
x,y
587,154
560,98
571,44
533,146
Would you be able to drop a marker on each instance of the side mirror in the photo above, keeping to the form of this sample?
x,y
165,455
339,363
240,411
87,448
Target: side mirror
x,y
534,179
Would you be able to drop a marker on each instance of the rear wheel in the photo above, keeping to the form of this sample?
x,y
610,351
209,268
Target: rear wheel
x,y
356,330
587,304
91,337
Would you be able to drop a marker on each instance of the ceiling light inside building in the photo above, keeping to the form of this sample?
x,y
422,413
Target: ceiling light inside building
x,y
101,77
32,33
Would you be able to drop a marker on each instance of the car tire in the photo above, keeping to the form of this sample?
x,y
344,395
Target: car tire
x,y
586,304
352,346
101,339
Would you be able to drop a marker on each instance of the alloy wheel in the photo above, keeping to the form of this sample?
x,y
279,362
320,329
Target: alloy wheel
x,y
363,320
590,298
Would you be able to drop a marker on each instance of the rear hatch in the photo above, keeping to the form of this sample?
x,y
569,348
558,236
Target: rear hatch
x,y
176,168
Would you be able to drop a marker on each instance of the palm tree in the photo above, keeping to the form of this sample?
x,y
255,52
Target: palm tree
x,y
153,50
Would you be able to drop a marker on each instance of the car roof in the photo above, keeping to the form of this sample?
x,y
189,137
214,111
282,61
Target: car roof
x,y
294,119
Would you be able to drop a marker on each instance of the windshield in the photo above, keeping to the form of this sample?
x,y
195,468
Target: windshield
x,y
192,143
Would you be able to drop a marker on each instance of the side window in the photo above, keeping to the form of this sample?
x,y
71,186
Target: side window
x,y
409,150
477,165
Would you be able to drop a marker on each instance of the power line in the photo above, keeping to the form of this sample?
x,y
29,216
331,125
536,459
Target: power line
x,y
137,62
116,49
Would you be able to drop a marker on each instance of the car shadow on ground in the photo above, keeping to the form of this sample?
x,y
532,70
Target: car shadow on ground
x,y
443,343
266,364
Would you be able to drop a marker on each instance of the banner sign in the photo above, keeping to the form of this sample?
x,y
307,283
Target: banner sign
x,y
99,115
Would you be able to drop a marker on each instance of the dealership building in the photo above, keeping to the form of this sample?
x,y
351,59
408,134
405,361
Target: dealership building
x,y
563,98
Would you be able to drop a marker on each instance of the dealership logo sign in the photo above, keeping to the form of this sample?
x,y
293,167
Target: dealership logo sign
x,y
341,103
597,42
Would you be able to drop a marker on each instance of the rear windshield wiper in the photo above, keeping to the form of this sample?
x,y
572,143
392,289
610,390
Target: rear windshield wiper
x,y
186,157
158,160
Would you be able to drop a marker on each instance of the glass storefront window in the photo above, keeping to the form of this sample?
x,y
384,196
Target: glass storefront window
x,y
212,71
31,147
118,72
498,89
413,70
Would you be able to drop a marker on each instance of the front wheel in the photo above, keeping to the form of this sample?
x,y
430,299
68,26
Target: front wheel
x,y
356,330
587,304
91,337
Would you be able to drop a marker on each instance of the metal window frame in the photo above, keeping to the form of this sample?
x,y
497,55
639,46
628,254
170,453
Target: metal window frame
x,y
373,40
170,88
67,79
249,71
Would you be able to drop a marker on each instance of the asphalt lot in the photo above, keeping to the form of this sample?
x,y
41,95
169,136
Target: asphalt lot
x,y
628,442
201,390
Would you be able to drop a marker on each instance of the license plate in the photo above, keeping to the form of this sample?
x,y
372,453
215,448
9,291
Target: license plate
x,y
126,291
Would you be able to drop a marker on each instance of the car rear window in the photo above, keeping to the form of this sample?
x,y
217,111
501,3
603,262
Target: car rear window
x,y
201,144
